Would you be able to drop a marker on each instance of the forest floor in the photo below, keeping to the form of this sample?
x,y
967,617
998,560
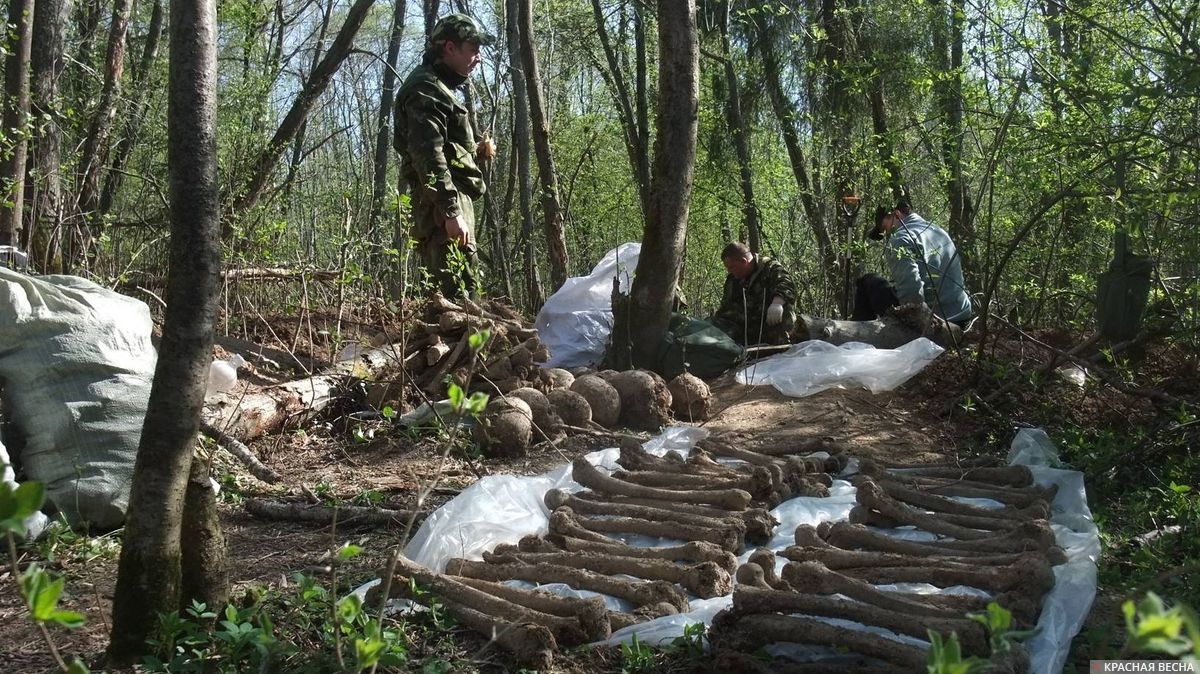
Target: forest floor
x,y
935,416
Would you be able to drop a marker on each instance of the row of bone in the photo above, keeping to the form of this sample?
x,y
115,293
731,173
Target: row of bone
x,y
1006,551
709,509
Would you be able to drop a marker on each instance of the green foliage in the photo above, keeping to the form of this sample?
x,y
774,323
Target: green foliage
x,y
1153,629
945,656
637,657
17,505
691,643
245,639
997,620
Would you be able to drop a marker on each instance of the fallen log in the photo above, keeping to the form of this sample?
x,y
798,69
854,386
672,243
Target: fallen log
x,y
322,514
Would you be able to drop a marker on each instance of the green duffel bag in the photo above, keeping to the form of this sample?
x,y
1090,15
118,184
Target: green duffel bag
x,y
697,346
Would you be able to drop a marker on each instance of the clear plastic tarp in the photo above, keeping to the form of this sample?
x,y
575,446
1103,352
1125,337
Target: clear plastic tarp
x,y
813,366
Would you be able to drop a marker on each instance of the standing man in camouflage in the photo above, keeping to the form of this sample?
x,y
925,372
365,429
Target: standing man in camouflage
x,y
758,303
439,150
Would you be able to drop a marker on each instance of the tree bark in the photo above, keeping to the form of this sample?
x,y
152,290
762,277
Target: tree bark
x,y
149,572
95,149
42,185
533,284
882,136
632,118
140,93
741,138
430,9
15,123
948,51
556,243
653,288
204,573
383,129
786,114
317,83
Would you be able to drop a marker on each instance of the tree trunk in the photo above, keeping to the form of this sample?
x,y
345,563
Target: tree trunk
x,y
95,149
137,109
556,243
674,162
948,50
786,114
430,8
833,56
741,138
293,166
533,284
882,136
383,128
149,573
44,174
15,123
319,80
632,123
204,569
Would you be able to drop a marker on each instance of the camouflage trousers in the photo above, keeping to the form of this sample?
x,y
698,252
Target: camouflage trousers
x,y
452,269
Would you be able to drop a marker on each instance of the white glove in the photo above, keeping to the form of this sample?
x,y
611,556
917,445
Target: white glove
x,y
775,312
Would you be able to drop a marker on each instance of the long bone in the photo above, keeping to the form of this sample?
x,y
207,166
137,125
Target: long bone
x,y
638,593
750,600
558,498
942,504
871,496
760,524
591,612
589,476
848,536
813,578
705,579
692,551
564,522
566,630
751,632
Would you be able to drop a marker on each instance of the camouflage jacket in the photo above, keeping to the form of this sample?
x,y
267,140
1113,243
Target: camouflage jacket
x,y
743,310
434,139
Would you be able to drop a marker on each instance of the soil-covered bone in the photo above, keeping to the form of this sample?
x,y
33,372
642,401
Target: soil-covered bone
x,y
872,496
729,538
505,428
751,600
814,578
638,593
558,498
765,559
759,485
645,400
705,579
855,562
849,536
749,633
531,644
563,523
590,611
760,524
1014,496
1008,476
691,399
567,630
589,476
601,397
942,504
571,407
692,551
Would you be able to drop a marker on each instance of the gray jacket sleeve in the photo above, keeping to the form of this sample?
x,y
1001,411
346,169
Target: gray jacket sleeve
x,y
903,260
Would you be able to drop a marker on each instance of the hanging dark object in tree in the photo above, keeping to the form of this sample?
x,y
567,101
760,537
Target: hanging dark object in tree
x,y
1122,291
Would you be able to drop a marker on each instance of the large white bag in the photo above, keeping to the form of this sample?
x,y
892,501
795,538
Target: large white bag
x,y
76,363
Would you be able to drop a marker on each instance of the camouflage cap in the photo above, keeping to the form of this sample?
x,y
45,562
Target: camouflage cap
x,y
459,28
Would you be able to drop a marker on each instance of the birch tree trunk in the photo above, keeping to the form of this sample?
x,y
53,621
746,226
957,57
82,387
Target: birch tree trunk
x,y
556,243
149,572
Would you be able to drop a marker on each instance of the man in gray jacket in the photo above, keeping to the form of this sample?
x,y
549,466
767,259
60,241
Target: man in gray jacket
x,y
923,263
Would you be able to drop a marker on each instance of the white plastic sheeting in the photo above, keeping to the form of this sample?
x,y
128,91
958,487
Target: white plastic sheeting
x,y
503,508
813,366
575,322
